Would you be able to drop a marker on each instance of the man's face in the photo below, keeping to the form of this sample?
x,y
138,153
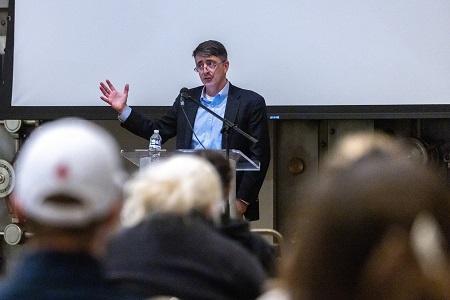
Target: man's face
x,y
211,69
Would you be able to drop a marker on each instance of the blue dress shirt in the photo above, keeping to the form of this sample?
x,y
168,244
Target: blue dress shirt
x,y
207,127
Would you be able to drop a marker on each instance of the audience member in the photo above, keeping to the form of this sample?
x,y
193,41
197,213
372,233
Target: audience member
x,y
373,227
68,189
171,246
237,229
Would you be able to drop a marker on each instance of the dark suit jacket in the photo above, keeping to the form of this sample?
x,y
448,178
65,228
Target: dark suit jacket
x,y
182,256
244,108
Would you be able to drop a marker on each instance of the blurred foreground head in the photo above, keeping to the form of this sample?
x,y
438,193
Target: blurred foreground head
x,y
179,185
375,226
222,166
69,176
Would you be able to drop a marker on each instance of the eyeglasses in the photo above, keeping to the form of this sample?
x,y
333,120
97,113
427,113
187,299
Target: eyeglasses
x,y
209,64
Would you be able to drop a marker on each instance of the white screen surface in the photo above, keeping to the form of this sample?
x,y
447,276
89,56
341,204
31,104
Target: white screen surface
x,y
293,52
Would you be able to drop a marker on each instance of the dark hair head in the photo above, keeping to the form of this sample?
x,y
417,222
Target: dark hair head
x,y
353,221
211,48
222,167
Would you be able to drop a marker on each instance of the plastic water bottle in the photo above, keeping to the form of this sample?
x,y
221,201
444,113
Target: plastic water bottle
x,y
155,141
154,147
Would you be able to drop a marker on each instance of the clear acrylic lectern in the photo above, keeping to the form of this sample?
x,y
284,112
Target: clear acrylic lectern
x,y
238,161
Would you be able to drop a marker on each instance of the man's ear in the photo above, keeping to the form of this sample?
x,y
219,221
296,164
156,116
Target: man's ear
x,y
112,220
15,209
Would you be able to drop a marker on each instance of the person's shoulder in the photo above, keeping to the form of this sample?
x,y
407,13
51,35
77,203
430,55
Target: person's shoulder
x,y
196,89
249,96
8,292
231,247
243,91
13,289
128,235
11,285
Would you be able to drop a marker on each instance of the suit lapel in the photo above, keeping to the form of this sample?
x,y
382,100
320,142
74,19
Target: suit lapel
x,y
191,111
232,108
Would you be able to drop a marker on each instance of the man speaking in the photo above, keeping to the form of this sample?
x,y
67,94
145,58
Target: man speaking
x,y
244,108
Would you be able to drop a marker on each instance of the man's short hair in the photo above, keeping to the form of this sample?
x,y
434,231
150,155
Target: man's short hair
x,y
222,166
211,48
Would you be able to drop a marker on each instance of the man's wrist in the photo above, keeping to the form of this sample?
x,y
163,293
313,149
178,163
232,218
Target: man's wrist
x,y
123,116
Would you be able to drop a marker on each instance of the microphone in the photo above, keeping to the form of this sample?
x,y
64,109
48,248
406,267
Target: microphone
x,y
183,94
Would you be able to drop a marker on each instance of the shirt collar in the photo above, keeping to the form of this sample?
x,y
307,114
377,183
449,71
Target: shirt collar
x,y
222,94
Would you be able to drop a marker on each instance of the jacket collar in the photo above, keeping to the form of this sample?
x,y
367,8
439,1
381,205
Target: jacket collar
x,y
191,109
231,109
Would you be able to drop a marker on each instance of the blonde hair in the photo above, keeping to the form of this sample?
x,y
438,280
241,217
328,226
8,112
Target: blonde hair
x,y
356,146
177,185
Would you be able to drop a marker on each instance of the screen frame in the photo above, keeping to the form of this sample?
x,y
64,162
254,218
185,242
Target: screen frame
x,y
8,111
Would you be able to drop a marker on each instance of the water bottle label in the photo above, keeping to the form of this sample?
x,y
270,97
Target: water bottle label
x,y
154,144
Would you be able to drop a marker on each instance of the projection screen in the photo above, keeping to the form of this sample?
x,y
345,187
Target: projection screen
x,y
308,58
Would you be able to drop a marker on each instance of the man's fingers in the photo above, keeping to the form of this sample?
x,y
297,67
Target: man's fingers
x,y
111,86
105,87
104,90
105,99
126,89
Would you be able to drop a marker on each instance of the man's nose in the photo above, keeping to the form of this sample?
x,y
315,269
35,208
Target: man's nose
x,y
204,68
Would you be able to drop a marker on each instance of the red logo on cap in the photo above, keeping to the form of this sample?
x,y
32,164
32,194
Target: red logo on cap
x,y
62,172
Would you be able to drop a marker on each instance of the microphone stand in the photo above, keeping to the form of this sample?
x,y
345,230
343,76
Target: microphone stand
x,y
227,125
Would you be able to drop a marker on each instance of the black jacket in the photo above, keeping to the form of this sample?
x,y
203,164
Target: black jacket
x,y
244,108
182,256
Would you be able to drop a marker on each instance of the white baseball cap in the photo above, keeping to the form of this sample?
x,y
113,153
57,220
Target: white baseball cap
x,y
70,157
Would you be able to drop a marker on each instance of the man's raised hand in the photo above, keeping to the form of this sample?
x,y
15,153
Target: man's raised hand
x,y
117,100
